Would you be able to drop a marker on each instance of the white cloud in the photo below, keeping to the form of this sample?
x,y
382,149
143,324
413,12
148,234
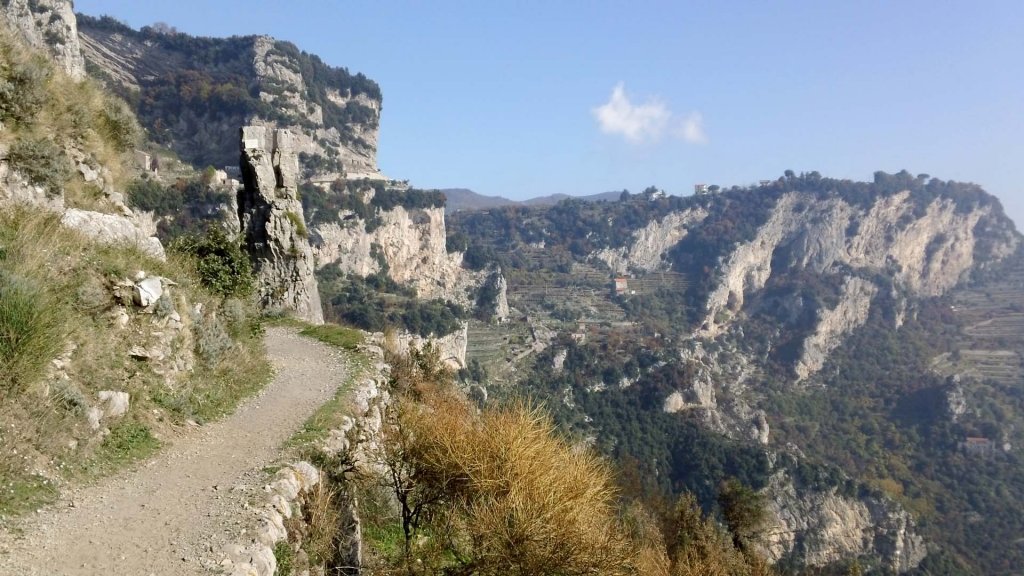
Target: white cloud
x,y
692,129
637,123
646,122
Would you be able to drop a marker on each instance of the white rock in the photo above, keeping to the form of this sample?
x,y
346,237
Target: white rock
x,y
307,474
281,505
93,416
139,353
271,528
114,404
287,484
148,291
112,229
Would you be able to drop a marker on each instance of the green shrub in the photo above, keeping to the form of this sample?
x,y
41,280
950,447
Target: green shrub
x,y
128,441
222,265
212,338
31,333
118,125
66,395
22,86
285,557
296,220
42,162
151,196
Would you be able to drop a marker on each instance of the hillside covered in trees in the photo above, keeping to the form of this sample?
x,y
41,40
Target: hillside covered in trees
x,y
853,338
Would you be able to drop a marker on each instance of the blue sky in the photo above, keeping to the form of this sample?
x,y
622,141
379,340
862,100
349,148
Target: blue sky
x,y
532,98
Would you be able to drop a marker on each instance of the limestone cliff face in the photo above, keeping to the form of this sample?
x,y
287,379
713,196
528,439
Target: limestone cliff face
x,y
649,244
48,25
834,324
824,527
927,253
284,87
410,243
451,348
333,116
272,224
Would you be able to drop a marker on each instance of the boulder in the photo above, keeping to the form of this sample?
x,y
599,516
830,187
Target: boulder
x,y
113,403
112,229
147,291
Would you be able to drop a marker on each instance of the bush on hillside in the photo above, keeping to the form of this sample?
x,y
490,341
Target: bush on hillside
x,y
498,492
42,162
222,265
22,84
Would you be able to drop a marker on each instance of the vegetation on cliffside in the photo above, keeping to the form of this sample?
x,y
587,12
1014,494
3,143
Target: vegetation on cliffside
x,y
104,348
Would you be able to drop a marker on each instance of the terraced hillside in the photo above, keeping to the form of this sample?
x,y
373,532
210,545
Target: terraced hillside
x,y
992,315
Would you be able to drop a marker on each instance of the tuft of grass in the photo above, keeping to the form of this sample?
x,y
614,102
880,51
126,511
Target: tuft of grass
x,y
31,332
285,557
335,335
25,494
42,161
323,522
128,442
297,223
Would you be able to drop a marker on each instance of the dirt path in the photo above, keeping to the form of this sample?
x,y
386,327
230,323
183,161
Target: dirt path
x,y
173,514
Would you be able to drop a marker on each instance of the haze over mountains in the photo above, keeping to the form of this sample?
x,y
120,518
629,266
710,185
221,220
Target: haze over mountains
x,y
810,375
465,199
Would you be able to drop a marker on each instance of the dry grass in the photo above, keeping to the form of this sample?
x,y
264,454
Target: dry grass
x,y
42,105
323,523
46,441
514,497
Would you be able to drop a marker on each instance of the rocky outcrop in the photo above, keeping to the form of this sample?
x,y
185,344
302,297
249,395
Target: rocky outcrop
x,y
112,229
273,227
451,348
127,229
409,243
823,527
649,244
927,252
48,25
834,324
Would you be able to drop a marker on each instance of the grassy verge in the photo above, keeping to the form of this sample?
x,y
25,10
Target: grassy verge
x,y
57,308
329,416
335,335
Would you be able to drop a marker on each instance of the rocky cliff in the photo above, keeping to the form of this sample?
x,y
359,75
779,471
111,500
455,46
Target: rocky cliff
x,y
273,227
193,93
409,245
927,254
50,26
823,527
647,248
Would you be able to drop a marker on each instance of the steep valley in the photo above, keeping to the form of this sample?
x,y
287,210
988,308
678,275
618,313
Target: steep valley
x,y
849,354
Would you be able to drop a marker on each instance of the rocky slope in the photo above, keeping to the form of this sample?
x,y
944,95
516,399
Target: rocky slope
x,y
194,93
797,317
48,25
649,245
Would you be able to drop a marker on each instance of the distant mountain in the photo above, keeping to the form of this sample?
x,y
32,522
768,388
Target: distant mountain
x,y
465,199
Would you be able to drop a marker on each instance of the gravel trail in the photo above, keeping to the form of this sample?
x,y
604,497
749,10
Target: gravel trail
x,y
173,514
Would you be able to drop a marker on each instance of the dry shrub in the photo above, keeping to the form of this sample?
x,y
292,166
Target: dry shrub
x,y
323,522
519,499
